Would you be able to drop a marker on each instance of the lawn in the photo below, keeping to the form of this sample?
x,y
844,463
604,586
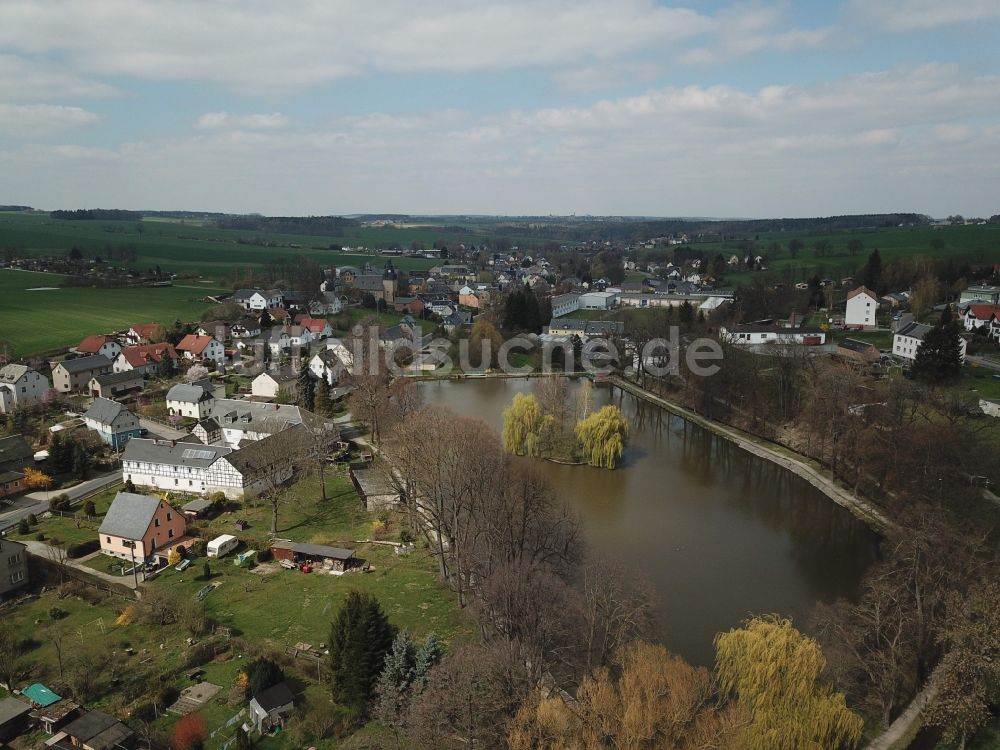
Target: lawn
x,y
48,319
73,530
276,609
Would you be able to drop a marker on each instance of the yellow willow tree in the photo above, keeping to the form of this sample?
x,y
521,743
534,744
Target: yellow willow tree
x,y
772,671
523,423
602,437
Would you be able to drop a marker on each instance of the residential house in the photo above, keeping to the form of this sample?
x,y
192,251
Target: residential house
x,y
338,347
99,344
113,384
13,566
987,294
754,333
246,328
195,400
259,299
217,329
981,316
896,299
278,341
275,383
112,421
862,304
459,319
326,303
298,336
11,482
141,333
15,453
13,718
908,339
96,730
195,347
469,297
20,386
409,305
270,707
319,327
242,422
76,374
136,526
326,365
147,359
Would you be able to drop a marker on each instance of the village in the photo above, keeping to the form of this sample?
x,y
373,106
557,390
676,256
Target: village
x,y
208,465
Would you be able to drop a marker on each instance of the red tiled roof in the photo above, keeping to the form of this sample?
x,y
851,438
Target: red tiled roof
x,y
984,312
855,292
194,343
145,329
92,344
146,353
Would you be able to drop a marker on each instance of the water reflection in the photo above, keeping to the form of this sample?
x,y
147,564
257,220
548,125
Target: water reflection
x,y
721,533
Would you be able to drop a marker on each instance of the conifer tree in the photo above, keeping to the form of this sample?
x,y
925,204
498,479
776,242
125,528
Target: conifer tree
x,y
360,637
939,356
321,400
305,389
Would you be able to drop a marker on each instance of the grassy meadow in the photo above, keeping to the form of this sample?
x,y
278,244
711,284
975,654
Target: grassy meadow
x,y
51,318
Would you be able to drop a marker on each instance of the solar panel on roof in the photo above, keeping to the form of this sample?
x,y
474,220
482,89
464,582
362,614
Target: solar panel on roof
x,y
195,453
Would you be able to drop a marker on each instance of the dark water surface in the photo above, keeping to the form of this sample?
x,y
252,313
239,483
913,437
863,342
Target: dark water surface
x,y
720,533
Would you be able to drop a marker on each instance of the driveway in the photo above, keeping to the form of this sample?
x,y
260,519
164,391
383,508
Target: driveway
x,y
161,430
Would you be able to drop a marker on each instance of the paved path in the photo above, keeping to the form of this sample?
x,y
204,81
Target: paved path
x,y
160,430
759,447
989,364
38,502
43,550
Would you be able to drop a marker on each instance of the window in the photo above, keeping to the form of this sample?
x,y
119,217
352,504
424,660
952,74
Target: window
x,y
169,515
108,539
170,534
17,576
13,560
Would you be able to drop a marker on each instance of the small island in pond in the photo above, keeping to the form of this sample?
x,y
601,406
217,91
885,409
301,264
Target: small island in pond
x,y
545,424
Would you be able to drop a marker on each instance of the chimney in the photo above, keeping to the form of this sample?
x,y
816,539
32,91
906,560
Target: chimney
x,y
173,443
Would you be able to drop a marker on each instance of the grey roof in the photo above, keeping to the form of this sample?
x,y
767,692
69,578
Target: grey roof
x,y
82,364
274,697
104,411
373,481
277,450
856,346
315,550
114,378
129,515
98,730
281,374
13,373
264,417
173,453
14,448
190,393
914,330
12,708
197,505
369,282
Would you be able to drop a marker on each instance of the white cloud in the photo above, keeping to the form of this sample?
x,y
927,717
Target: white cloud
x,y
881,141
36,120
919,15
22,79
587,78
225,120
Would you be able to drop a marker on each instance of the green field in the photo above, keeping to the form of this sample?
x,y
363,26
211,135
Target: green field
x,y
40,321
192,247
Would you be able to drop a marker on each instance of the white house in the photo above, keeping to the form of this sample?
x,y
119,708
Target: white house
x,y
195,468
908,339
195,347
862,304
258,299
236,422
195,400
327,366
982,315
104,345
753,333
338,347
247,328
272,383
20,386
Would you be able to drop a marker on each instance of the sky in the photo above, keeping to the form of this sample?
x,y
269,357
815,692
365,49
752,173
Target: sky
x,y
527,107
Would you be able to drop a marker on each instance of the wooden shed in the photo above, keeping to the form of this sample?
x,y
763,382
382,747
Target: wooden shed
x,y
336,559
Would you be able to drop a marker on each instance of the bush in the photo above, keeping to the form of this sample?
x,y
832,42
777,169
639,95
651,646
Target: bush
x,y
89,508
40,536
406,536
206,571
57,614
264,555
32,519
22,526
83,548
197,548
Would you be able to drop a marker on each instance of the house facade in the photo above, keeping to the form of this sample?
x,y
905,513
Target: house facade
x,y
564,304
195,347
195,400
907,340
259,299
743,335
147,359
13,567
139,525
862,303
327,366
113,422
983,316
20,386
114,384
99,344
75,374
274,383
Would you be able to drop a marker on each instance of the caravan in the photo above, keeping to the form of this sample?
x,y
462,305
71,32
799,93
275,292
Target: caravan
x,y
222,545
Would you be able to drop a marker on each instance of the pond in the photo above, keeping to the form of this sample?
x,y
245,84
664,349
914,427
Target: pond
x,y
721,534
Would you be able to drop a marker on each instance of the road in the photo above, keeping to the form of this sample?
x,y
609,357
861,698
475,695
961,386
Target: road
x,y
989,364
38,502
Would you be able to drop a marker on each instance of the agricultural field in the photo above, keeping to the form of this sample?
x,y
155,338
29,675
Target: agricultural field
x,y
36,315
192,247
267,606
